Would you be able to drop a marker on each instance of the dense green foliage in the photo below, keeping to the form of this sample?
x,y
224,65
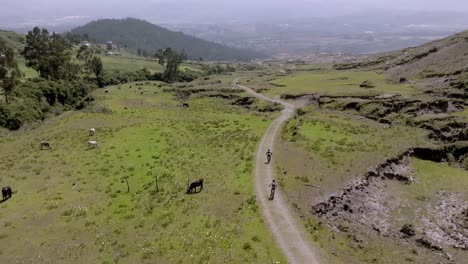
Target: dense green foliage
x,y
218,69
148,38
117,77
92,63
50,55
37,98
170,60
9,71
60,88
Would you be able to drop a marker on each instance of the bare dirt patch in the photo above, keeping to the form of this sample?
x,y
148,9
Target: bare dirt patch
x,y
449,222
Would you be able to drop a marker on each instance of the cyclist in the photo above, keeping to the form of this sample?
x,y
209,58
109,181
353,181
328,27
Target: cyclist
x,y
269,154
273,188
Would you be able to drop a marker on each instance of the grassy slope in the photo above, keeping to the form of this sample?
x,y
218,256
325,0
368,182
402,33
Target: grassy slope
x,y
129,63
441,58
329,149
451,55
13,40
331,82
71,204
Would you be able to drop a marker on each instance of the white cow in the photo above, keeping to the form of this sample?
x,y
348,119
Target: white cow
x,y
92,131
93,144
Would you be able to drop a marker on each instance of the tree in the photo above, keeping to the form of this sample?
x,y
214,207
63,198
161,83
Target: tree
x,y
9,71
97,68
50,55
85,54
92,62
36,49
170,60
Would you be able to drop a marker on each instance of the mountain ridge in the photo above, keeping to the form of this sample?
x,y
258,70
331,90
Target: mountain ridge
x,y
140,34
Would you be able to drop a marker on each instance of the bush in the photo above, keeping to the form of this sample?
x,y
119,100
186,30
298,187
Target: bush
x,y
300,112
247,246
117,77
188,76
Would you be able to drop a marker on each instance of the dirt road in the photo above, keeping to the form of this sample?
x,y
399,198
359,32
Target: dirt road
x,y
290,235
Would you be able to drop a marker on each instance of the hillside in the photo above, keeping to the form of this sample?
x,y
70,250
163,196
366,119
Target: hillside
x,y
140,34
441,58
12,39
448,56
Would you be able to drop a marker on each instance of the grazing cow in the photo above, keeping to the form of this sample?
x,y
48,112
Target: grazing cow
x,y
93,144
6,192
45,145
186,105
92,131
193,186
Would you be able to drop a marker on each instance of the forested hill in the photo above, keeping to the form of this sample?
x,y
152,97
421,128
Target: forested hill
x,y
140,34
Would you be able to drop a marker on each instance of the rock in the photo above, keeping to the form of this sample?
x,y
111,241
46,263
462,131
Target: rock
x,y
346,207
427,244
366,84
408,229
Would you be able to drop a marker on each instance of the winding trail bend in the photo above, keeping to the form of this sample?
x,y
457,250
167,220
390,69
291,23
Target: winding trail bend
x,y
290,235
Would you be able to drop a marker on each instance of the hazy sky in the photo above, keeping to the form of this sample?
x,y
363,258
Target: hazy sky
x,y
59,11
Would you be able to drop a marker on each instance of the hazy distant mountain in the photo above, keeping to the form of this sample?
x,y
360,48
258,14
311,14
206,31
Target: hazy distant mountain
x,y
140,34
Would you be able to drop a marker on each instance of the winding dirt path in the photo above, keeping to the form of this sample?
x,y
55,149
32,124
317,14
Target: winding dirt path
x,y
288,233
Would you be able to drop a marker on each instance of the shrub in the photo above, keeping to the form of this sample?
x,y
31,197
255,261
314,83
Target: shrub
x,y
247,246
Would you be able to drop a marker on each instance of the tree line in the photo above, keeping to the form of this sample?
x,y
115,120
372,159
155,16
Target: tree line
x,y
63,82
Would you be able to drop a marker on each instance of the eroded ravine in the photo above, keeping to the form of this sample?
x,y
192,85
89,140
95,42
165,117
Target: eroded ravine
x,y
290,235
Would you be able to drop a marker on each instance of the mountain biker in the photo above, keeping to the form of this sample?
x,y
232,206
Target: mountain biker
x,y
273,185
268,154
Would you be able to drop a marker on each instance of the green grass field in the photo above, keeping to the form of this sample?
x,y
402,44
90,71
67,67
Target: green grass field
x,y
337,147
71,203
338,83
128,63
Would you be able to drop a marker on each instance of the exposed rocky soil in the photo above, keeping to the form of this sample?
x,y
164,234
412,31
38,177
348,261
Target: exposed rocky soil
x,y
363,203
448,224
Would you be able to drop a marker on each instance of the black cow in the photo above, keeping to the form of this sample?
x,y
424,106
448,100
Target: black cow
x,y
185,105
6,193
193,186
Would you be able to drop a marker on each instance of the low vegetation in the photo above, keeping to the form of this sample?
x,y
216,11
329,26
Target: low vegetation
x,y
83,209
